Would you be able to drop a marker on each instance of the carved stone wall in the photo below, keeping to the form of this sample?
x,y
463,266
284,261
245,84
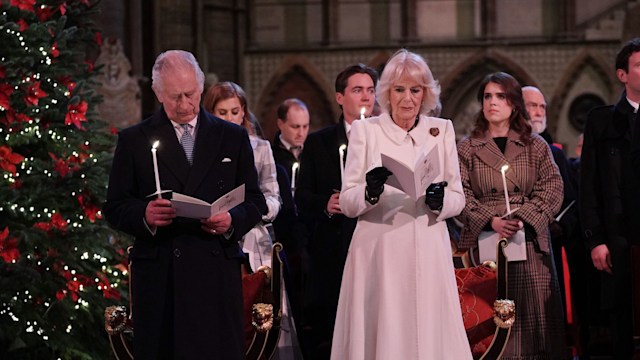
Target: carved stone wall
x,y
562,71
121,105
295,48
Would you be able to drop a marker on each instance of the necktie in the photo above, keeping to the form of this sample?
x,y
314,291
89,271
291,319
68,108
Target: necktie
x,y
187,142
296,150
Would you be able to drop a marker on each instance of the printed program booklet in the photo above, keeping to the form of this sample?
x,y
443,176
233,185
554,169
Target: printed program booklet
x,y
516,249
413,180
190,207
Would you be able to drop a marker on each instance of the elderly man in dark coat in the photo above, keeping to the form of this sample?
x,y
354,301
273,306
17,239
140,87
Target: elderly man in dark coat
x,y
186,280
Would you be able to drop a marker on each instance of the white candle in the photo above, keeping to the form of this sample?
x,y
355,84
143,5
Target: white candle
x,y
155,167
341,150
362,110
294,173
504,184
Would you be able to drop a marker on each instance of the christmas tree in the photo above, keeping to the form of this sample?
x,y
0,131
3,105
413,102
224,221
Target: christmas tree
x,y
60,263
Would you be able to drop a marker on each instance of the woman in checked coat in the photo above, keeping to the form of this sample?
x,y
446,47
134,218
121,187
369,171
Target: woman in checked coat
x,y
502,137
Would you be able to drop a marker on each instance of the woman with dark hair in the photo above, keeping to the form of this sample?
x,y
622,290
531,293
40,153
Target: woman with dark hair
x,y
502,136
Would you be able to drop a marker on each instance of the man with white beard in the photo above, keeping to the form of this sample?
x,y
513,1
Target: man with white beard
x,y
564,230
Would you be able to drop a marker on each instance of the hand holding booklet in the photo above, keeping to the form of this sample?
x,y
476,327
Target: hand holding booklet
x,y
516,249
190,207
414,179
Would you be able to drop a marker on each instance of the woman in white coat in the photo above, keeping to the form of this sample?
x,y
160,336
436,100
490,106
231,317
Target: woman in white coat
x,y
399,298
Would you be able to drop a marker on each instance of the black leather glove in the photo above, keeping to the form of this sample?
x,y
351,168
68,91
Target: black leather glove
x,y
435,195
375,181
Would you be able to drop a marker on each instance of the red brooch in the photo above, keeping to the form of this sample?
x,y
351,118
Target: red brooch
x,y
434,131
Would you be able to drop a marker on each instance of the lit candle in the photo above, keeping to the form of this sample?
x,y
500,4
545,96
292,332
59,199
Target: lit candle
x,y
341,150
154,149
504,184
294,173
362,110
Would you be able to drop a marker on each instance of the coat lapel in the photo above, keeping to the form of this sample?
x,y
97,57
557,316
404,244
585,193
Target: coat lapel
x,y
490,154
340,139
208,141
515,147
170,152
487,151
619,126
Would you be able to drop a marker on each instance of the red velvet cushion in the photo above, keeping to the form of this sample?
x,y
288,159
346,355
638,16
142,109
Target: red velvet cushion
x,y
252,291
477,291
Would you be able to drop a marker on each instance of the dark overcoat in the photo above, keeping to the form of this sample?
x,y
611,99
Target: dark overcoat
x,y
609,210
186,285
330,238
608,185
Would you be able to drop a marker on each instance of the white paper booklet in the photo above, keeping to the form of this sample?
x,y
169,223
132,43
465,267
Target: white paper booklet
x,y
515,251
190,207
413,180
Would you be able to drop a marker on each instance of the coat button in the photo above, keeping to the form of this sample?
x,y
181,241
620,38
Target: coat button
x,y
494,190
216,252
516,189
176,253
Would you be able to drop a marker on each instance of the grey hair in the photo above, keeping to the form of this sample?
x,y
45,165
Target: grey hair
x,y
175,60
405,63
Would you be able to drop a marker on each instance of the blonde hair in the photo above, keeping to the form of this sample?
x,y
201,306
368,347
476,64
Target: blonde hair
x,y
407,64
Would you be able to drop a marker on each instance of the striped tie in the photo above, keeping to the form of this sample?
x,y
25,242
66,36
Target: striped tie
x,y
187,142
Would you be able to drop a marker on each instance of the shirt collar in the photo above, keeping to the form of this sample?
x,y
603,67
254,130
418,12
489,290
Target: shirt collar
x,y
193,122
633,104
347,128
286,144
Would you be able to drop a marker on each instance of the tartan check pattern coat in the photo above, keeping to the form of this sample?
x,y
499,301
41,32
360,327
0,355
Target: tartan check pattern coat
x,y
534,185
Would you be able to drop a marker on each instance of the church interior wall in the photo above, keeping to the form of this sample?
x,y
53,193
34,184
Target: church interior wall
x,y
251,41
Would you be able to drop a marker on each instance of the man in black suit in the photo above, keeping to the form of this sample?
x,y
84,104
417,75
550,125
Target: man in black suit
x,y
318,199
293,128
607,189
186,280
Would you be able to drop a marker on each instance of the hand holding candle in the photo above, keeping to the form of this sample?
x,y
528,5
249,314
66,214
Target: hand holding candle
x,y
155,167
341,151
506,192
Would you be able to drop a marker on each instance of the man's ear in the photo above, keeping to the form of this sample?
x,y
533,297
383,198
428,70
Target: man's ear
x,y
280,123
339,98
622,75
158,94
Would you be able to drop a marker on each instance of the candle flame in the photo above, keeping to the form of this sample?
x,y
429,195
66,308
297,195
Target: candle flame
x,y
504,168
362,110
156,144
342,148
295,165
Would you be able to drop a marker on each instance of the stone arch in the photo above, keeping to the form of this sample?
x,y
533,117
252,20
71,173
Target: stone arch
x,y
459,88
379,61
581,62
298,78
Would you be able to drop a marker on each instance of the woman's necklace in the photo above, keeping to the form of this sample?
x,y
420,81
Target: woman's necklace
x,y
415,123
